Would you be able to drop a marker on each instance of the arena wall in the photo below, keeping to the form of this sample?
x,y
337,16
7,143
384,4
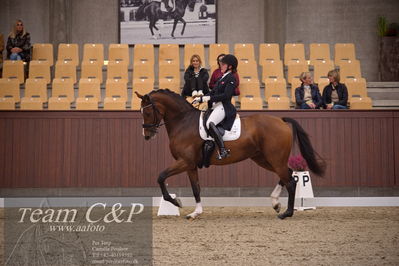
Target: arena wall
x,y
50,149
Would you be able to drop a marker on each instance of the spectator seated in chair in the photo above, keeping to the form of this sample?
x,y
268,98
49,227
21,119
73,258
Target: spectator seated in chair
x,y
307,96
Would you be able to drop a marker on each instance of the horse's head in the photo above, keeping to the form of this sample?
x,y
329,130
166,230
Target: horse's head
x,y
152,116
191,5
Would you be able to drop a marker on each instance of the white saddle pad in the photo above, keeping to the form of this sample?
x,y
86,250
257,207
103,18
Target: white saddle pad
x,y
163,8
233,134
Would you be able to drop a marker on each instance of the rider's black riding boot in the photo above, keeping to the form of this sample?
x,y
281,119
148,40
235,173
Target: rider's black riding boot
x,y
223,153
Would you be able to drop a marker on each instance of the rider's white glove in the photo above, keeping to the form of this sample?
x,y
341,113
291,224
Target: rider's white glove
x,y
202,99
200,93
196,100
205,98
194,93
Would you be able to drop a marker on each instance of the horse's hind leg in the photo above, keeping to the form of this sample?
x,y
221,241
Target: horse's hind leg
x,y
275,196
184,25
151,26
193,175
260,160
286,177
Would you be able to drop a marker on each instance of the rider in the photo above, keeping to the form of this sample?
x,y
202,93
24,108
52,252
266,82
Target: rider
x,y
219,99
170,7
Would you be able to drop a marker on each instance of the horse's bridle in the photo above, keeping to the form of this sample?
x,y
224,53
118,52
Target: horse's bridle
x,y
157,123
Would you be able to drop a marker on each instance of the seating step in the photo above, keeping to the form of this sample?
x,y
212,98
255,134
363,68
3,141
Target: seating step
x,y
386,103
393,84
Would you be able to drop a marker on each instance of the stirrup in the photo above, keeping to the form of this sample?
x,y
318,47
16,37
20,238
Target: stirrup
x,y
223,154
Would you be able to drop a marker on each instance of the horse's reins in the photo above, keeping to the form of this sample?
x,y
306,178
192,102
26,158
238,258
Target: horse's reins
x,y
156,124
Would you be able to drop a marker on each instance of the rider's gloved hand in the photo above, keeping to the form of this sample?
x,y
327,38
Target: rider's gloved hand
x,y
194,93
202,99
205,99
196,100
200,93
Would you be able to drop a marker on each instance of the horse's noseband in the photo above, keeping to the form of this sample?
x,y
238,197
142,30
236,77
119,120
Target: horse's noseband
x,y
157,123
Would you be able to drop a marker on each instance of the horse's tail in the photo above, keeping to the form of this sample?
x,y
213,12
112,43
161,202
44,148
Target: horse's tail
x,y
312,158
140,13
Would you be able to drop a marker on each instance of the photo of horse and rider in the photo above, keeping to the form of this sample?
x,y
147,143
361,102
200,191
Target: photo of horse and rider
x,y
167,21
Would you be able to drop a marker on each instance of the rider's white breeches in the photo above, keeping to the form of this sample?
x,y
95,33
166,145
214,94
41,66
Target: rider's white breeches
x,y
217,115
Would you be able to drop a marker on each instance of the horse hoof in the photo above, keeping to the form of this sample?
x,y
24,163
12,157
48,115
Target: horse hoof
x,y
177,202
277,207
190,218
285,215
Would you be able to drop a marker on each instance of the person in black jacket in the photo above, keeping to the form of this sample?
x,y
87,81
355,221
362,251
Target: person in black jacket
x,y
219,99
307,96
18,43
335,95
195,78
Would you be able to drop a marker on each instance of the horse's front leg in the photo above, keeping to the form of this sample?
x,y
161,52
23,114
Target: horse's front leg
x,y
184,25
193,175
178,167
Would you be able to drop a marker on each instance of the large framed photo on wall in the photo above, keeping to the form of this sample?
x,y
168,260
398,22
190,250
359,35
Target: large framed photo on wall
x,y
167,21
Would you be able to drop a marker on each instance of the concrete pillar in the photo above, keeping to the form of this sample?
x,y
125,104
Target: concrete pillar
x,y
60,22
275,21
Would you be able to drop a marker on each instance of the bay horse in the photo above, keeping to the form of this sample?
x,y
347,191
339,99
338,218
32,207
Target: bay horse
x,y
153,11
265,139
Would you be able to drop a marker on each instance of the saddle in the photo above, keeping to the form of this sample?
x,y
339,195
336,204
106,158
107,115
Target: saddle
x,y
228,135
209,144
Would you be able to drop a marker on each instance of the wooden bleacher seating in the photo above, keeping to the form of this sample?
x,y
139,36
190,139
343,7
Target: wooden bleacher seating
x,y
169,54
117,70
244,52
319,53
294,53
43,52
119,52
277,87
295,69
9,93
92,70
40,70
65,70
89,94
14,70
115,94
35,94
344,52
93,52
269,52
68,52
143,53
278,103
251,103
215,49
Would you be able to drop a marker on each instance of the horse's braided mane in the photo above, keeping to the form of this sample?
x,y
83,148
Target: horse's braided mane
x,y
178,99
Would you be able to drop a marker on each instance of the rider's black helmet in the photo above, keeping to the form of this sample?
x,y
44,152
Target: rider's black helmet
x,y
231,60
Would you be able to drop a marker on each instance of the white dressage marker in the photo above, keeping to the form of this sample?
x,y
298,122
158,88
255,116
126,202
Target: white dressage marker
x,y
167,208
303,190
